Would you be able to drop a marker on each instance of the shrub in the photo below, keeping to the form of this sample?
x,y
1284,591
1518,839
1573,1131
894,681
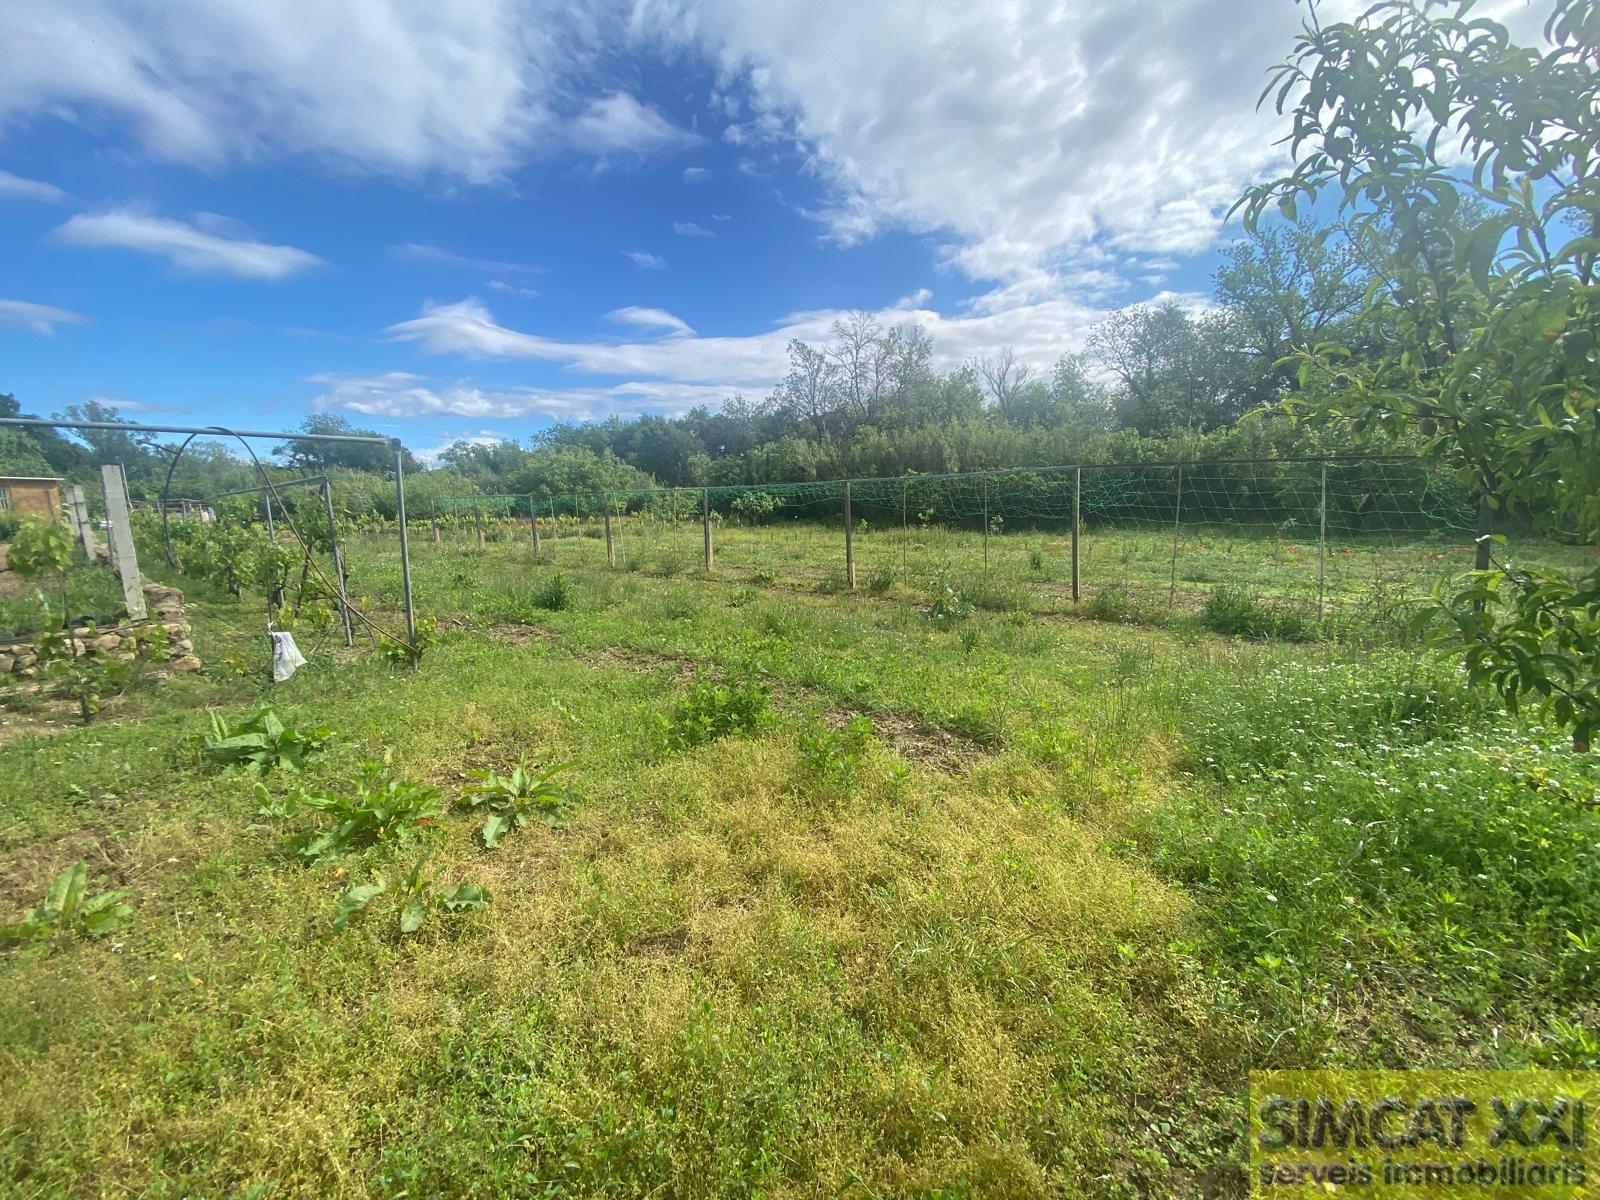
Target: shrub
x,y
554,594
836,754
949,607
517,799
69,911
712,710
262,743
379,807
1117,604
880,580
1233,611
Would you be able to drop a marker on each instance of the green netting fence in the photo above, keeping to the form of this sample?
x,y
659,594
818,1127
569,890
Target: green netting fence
x,y
1319,530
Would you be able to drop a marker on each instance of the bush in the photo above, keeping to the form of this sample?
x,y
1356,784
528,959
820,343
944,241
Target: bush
x,y
1233,611
835,754
949,607
10,522
554,594
713,710
1120,606
880,580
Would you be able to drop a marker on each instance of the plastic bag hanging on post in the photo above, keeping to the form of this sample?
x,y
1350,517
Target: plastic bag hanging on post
x,y
286,656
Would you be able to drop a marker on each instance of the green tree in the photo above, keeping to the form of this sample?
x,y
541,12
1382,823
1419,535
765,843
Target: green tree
x,y
1492,324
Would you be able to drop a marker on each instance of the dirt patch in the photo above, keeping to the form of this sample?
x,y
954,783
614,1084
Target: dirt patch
x,y
522,635
45,718
26,870
917,739
662,944
629,659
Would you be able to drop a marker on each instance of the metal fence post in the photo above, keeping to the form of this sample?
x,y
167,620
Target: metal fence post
x,y
1177,517
266,505
986,529
405,546
611,546
338,563
1077,520
905,537
1322,543
705,518
849,546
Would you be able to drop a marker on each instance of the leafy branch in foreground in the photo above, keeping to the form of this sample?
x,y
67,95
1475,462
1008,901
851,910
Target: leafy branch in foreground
x,y
1485,295
69,911
517,799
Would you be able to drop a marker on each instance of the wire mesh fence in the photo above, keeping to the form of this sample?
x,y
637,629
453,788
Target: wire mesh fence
x,y
1318,531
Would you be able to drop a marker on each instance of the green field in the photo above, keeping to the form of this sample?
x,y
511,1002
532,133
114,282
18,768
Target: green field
x,y
1026,938
1029,568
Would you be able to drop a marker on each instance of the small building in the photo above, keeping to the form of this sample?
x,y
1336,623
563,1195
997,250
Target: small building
x,y
30,494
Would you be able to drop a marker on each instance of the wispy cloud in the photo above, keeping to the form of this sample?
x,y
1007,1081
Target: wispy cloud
x,y
29,189
620,125
187,247
37,318
427,252
690,229
643,258
650,318
696,174
398,394
513,289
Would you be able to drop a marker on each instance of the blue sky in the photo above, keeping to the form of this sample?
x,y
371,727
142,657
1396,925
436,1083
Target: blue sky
x,y
468,220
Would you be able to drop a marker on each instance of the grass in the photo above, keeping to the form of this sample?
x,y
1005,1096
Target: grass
x,y
1078,880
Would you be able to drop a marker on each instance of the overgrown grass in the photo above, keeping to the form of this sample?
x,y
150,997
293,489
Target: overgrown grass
x,y
1008,908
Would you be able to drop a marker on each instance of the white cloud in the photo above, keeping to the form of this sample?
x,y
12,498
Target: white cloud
x,y
465,88
643,258
37,318
429,253
620,125
722,216
187,246
650,318
690,229
398,394
1039,332
914,299
1044,128
696,174
29,189
513,289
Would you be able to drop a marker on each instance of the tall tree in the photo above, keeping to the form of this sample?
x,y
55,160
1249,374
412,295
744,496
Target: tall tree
x,y
1493,324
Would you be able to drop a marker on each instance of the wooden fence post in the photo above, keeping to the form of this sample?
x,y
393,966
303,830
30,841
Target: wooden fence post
x,y
477,520
849,547
122,540
533,522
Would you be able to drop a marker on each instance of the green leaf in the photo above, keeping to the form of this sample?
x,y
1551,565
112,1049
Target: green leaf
x,y
412,916
355,899
66,894
494,827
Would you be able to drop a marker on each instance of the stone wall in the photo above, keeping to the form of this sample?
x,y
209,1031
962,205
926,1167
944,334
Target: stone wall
x,y
128,642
